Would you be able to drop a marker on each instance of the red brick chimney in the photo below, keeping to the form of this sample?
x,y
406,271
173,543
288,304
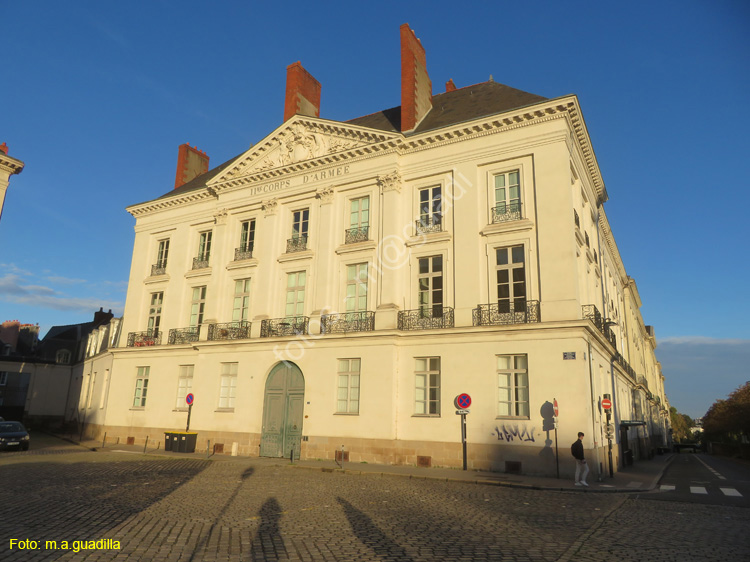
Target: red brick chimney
x,y
4,148
302,92
416,87
191,163
450,86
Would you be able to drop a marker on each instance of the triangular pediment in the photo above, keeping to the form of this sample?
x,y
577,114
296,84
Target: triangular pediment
x,y
299,142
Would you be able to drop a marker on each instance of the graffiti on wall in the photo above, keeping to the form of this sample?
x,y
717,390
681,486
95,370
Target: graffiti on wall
x,y
514,432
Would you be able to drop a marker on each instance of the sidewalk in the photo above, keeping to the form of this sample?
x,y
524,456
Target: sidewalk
x,y
643,476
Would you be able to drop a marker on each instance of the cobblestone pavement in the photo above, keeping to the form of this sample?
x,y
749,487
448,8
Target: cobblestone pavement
x,y
166,509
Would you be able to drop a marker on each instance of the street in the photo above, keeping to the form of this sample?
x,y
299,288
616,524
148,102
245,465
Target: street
x,y
148,507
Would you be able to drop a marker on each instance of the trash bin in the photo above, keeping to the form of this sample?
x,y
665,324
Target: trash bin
x,y
186,442
169,440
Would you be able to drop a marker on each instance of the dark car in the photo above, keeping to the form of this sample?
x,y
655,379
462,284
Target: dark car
x,y
13,436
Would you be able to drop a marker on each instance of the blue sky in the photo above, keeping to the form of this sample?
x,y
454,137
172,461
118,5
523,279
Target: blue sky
x,y
97,96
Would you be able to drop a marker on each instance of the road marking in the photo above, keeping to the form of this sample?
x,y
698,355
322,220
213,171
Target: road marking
x,y
666,488
711,469
698,490
731,492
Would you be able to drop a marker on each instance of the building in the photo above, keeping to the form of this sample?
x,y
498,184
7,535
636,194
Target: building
x,y
335,286
8,167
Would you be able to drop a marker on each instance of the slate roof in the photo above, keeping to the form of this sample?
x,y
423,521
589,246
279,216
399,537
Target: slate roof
x,y
449,108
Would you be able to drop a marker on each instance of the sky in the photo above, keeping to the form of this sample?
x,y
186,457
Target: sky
x,y
97,96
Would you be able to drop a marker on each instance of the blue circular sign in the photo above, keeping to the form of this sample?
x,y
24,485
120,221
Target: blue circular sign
x,y
189,399
463,401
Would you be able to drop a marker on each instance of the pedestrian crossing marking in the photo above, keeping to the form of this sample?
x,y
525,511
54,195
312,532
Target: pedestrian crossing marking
x,y
698,490
666,488
701,490
731,492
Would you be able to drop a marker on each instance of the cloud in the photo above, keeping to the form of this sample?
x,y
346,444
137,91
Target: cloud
x,y
65,280
700,370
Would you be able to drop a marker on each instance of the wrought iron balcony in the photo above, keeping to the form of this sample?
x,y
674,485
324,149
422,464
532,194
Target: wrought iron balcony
x,y
588,242
426,225
505,212
144,339
201,262
576,219
603,324
296,244
358,234
518,311
243,253
229,331
159,268
625,365
184,335
427,318
291,326
347,322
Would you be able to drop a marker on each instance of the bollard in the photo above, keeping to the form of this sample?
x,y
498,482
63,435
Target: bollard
x,y
291,455
145,445
208,447
104,440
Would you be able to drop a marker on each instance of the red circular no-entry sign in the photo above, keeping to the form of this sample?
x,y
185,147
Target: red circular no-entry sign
x,y
606,403
557,410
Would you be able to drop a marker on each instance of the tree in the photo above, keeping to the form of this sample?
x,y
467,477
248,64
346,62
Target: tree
x,y
731,417
681,424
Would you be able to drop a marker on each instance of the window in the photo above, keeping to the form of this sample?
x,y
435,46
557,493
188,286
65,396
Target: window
x,y
162,254
427,395
513,386
511,279
154,313
197,306
90,391
241,308
247,236
507,197
348,386
228,389
62,356
430,284
141,387
3,378
359,212
204,246
356,287
105,388
184,385
430,207
295,294
300,221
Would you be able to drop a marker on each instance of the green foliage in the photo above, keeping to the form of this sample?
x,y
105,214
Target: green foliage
x,y
681,424
729,418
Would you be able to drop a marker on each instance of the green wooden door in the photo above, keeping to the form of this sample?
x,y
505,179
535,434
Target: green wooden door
x,y
283,408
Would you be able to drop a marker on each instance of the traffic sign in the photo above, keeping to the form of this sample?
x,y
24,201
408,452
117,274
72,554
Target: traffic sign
x,y
189,399
557,410
462,412
462,401
606,403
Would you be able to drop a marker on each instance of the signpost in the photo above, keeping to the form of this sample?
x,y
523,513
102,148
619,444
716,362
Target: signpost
x,y
557,456
607,405
189,399
462,402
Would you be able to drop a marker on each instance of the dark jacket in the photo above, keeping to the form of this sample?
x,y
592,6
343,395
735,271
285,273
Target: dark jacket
x,y
577,449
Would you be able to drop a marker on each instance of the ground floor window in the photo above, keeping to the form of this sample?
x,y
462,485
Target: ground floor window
x,y
184,385
427,391
513,386
348,386
141,387
228,390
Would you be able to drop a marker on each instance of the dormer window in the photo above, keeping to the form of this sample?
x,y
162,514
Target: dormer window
x,y
62,357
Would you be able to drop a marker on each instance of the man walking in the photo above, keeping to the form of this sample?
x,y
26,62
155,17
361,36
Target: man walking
x,y
582,469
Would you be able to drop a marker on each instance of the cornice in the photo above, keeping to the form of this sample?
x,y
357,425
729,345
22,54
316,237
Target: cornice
x,y
10,165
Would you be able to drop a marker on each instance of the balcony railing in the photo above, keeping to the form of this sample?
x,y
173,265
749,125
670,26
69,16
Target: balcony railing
x,y
184,335
603,325
201,262
576,220
358,234
425,225
347,322
296,244
229,331
625,365
427,318
159,268
519,311
144,339
505,212
291,326
243,253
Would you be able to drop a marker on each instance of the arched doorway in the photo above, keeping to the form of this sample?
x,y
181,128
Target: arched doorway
x,y
283,405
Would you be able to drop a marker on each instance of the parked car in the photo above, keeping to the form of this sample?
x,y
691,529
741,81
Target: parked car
x,y
13,436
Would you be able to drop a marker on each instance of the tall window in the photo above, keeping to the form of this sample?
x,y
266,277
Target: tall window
x,y
228,389
427,392
154,313
511,279
162,254
247,236
356,287
348,386
513,386
3,378
295,294
359,212
241,307
105,389
430,206
204,245
197,306
90,391
300,220
430,280
184,385
141,387
507,196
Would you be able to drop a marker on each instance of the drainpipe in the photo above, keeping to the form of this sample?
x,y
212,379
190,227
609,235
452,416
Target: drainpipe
x,y
593,410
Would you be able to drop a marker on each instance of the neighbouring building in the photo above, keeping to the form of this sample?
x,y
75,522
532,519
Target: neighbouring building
x,y
8,167
338,284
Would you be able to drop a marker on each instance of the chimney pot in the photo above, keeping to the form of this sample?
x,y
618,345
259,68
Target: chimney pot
x,y
450,86
4,148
